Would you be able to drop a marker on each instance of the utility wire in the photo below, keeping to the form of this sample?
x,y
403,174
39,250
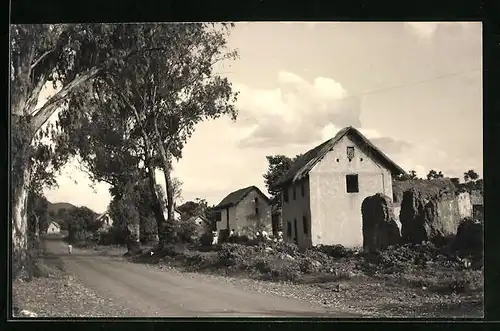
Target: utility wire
x,y
457,73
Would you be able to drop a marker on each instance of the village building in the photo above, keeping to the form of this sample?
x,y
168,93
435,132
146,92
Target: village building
x,y
105,220
54,228
477,201
203,224
323,190
245,211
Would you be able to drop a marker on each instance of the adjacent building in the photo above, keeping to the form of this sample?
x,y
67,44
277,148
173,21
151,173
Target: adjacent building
x,y
323,190
245,211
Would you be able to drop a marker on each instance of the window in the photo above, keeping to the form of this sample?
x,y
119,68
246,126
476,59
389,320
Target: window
x,y
305,225
227,215
285,194
256,203
289,229
352,184
218,216
350,153
302,189
294,193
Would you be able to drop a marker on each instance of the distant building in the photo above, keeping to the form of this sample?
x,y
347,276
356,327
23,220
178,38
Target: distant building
x,y
106,220
245,211
54,228
477,201
324,188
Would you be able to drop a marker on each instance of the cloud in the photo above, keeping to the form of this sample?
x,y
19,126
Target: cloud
x,y
296,112
426,30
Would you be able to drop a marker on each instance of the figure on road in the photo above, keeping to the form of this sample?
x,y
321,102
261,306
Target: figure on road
x,y
70,248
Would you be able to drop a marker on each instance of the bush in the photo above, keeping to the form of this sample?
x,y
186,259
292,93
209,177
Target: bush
x,y
186,230
336,251
206,239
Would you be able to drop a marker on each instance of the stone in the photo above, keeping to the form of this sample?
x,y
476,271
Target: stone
x,y
469,239
428,218
380,229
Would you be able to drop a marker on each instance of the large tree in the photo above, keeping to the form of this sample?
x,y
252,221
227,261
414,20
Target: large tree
x,y
164,94
67,56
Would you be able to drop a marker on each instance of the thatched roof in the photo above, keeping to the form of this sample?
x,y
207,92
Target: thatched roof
x,y
301,167
235,197
429,188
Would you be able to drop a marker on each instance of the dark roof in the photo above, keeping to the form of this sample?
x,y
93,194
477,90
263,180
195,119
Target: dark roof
x,y
301,167
235,197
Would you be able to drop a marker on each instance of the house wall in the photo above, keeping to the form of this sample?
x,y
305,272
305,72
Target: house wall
x,y
336,214
222,225
464,205
53,228
242,218
296,209
449,215
245,219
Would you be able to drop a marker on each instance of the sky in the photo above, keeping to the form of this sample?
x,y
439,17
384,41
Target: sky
x,y
414,89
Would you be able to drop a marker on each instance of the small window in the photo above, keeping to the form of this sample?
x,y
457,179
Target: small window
x,y
289,229
305,225
257,211
294,193
285,194
352,184
227,214
302,189
350,153
218,216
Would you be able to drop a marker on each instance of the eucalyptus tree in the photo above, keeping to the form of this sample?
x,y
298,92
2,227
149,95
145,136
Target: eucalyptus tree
x,y
67,56
160,96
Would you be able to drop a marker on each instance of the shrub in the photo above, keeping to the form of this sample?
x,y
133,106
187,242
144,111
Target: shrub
x,y
206,239
186,230
335,251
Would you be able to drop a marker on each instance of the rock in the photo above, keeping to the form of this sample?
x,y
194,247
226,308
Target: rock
x,y
427,217
380,229
268,249
469,239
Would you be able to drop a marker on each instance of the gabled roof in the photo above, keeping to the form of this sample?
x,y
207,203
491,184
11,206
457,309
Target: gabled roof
x,y
235,197
56,224
204,219
301,167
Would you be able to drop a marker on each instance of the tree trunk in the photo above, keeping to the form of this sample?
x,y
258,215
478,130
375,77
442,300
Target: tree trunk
x,y
157,207
133,242
20,179
170,224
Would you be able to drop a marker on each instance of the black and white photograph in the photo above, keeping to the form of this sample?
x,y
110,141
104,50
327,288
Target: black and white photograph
x,y
247,169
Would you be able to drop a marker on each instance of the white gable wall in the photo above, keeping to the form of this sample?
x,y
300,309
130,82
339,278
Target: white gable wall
x,y
242,216
336,214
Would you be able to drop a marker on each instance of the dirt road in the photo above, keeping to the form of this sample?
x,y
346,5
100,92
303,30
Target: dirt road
x,y
146,291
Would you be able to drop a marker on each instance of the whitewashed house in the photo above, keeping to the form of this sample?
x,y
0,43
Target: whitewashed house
x,y
54,228
323,190
245,211
106,221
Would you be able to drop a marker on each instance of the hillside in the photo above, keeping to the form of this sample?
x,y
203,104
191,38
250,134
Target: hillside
x,y
55,207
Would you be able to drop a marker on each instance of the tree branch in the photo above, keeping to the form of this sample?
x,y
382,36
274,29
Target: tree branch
x,y
42,57
44,113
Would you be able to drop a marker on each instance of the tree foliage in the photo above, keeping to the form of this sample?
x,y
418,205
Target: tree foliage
x,y
278,166
433,174
82,224
152,104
